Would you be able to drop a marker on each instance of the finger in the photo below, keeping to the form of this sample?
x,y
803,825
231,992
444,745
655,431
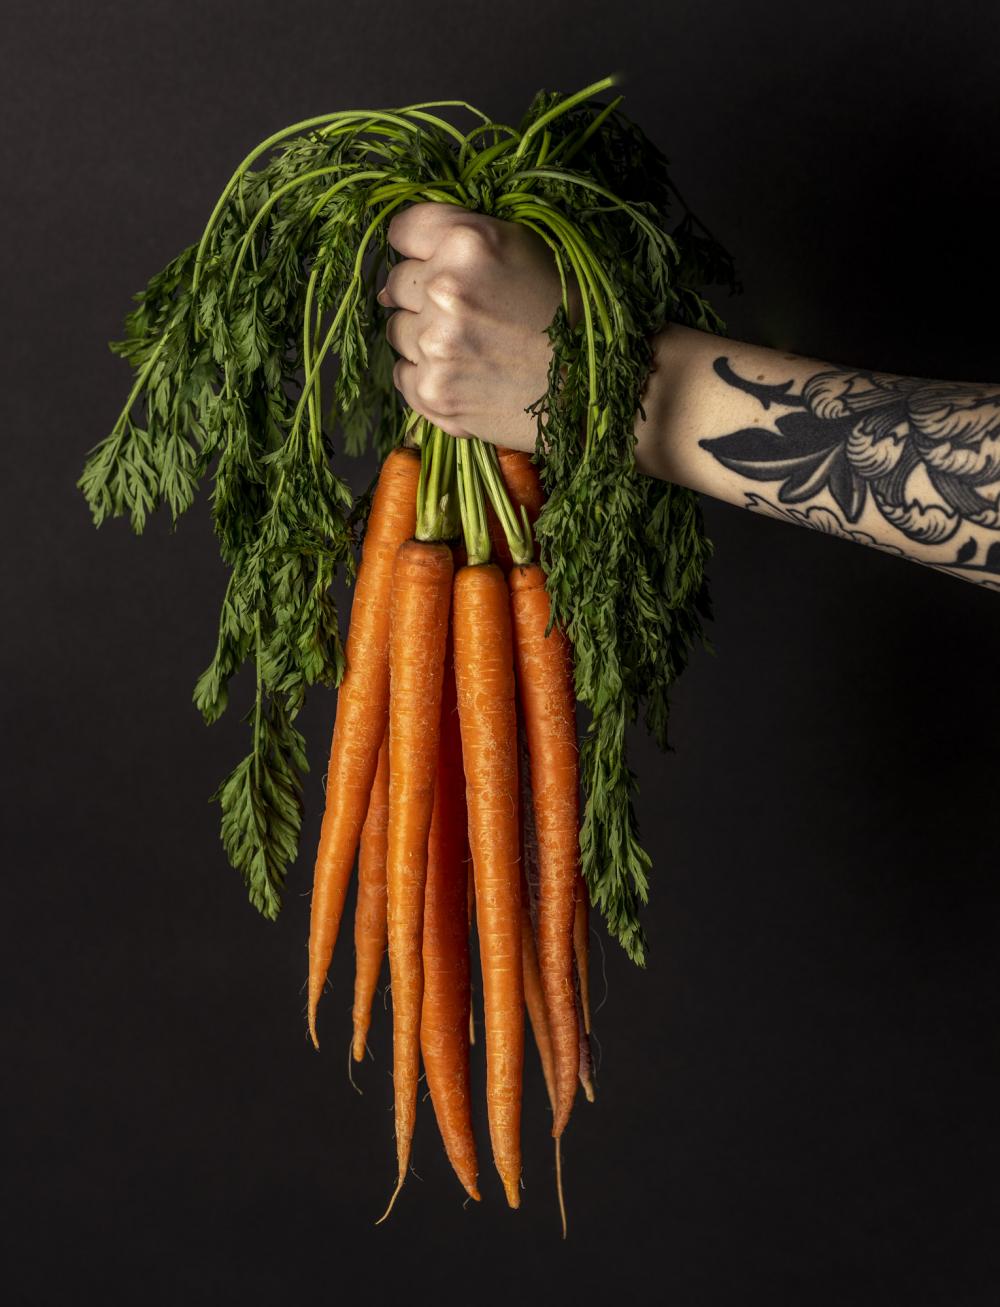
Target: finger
x,y
403,287
416,231
405,376
401,333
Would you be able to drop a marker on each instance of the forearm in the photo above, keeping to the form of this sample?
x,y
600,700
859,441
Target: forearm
x,y
904,464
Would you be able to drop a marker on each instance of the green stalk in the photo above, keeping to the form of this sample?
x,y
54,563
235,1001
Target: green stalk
x,y
562,107
448,104
587,133
140,381
352,291
336,123
518,533
477,159
557,174
472,506
486,157
574,240
437,509
586,281
272,200
308,343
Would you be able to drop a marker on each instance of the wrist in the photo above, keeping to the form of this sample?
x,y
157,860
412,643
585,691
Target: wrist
x,y
665,396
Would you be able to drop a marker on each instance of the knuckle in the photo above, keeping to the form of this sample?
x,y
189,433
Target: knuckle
x,y
471,241
438,343
447,289
436,389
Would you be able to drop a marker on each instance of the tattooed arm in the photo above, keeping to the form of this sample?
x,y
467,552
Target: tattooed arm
x,y
904,464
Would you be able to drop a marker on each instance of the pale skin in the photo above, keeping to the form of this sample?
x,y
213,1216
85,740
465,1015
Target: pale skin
x,y
906,465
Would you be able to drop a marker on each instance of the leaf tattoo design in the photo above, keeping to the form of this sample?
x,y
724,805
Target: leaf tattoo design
x,y
826,521
927,451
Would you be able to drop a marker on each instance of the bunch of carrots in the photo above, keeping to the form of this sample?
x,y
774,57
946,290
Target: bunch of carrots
x,y
453,776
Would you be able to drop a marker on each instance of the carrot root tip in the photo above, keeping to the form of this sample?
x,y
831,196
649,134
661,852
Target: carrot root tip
x,y
350,1075
559,1187
392,1200
312,1027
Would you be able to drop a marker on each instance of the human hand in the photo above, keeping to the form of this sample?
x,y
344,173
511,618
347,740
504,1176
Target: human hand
x,y
473,297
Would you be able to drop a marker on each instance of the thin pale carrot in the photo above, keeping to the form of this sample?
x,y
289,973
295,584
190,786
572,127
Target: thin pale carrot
x,y
534,994
586,1068
534,1000
471,917
581,945
369,911
484,673
444,1020
362,712
421,599
545,689
534,997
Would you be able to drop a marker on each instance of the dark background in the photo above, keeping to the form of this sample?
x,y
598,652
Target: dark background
x,y
798,1100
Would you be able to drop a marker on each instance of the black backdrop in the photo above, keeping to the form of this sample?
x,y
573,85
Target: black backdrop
x,y
798,1099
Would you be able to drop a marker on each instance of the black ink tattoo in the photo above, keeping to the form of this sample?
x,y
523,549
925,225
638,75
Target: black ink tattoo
x,y
927,452
828,522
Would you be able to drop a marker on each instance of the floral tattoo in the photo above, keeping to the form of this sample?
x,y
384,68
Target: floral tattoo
x,y
926,453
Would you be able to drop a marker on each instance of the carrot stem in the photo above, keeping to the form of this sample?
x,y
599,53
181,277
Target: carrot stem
x,y
472,506
518,533
437,501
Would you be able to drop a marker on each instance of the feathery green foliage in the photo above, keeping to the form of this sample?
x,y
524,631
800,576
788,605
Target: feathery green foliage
x,y
228,344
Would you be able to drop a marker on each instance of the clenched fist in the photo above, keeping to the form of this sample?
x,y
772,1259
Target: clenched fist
x,y
473,297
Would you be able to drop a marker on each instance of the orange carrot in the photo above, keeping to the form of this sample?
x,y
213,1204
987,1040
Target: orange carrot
x,y
581,945
470,896
421,598
534,999
524,485
545,687
534,994
369,912
362,712
485,680
471,916
444,1020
